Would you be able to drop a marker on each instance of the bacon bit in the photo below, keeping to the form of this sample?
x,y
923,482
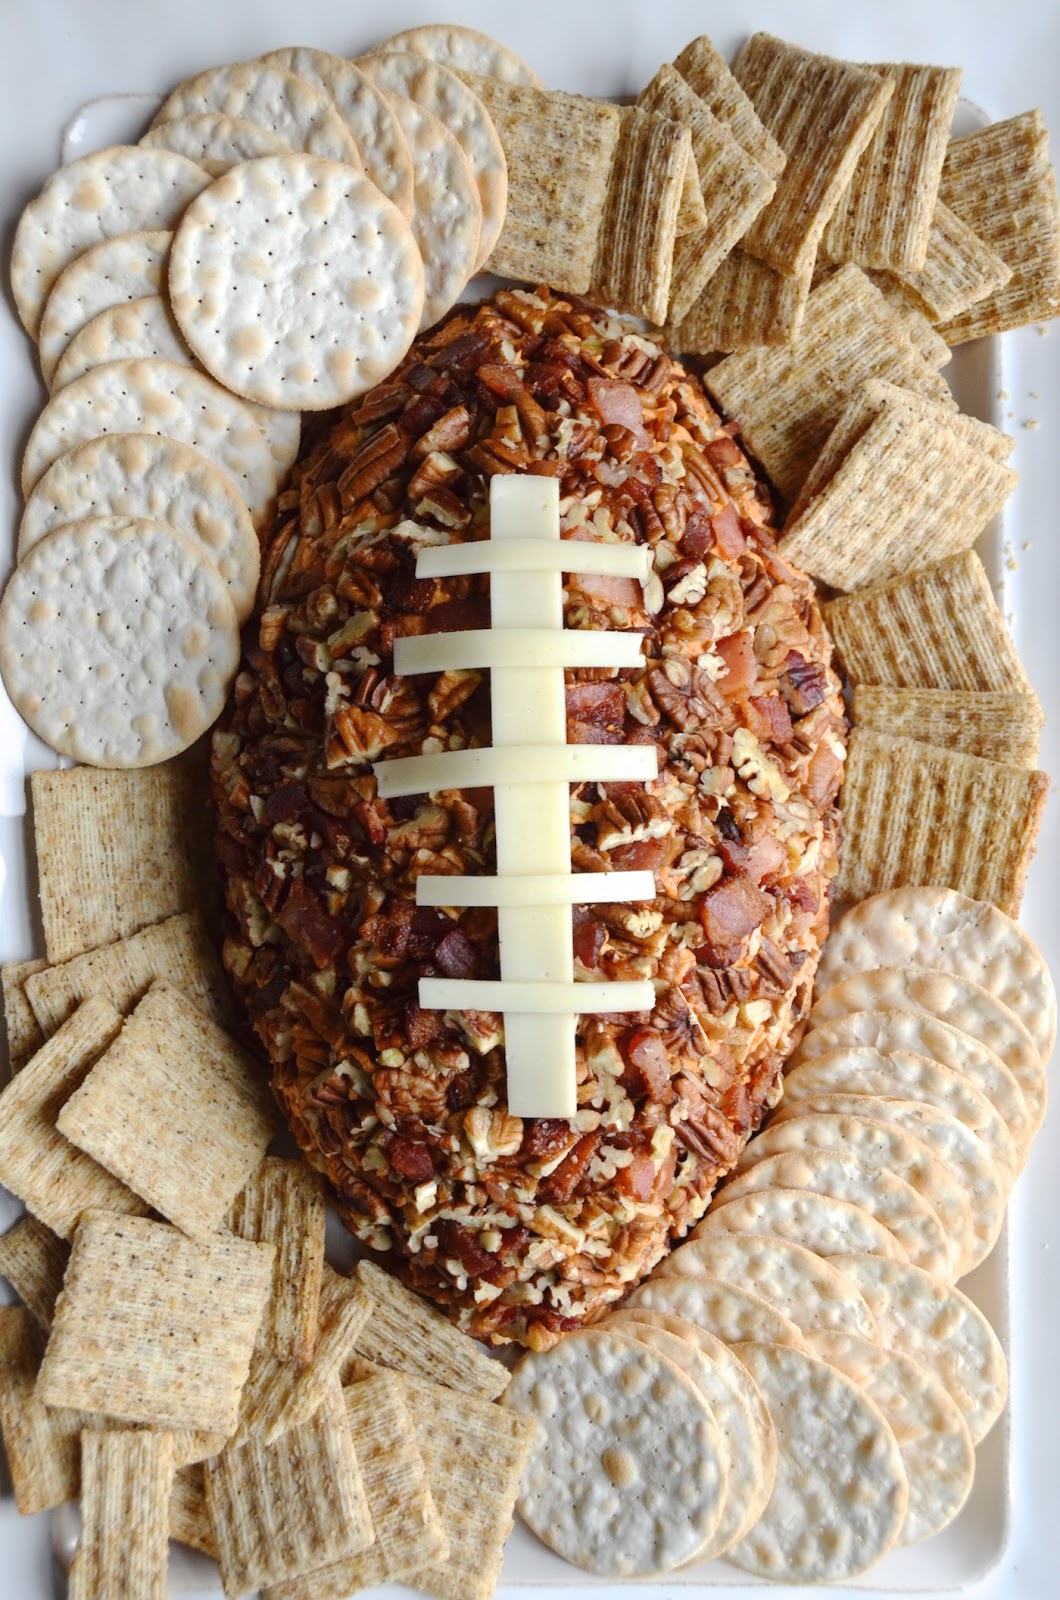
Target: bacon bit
x,y
589,937
455,955
282,805
454,616
618,403
406,592
801,895
418,416
698,537
722,452
646,855
410,1159
501,380
604,591
648,1067
764,858
725,525
459,1242
823,777
559,1187
768,719
729,912
544,1138
422,1027
737,652
303,917
638,1179
596,713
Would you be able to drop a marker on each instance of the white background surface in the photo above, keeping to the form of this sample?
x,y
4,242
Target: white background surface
x,y
55,54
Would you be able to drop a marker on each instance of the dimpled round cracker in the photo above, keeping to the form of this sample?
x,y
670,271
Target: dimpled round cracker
x,y
728,1311
936,1448
447,212
628,1474
118,641
118,190
958,1001
297,112
143,475
840,1496
214,141
296,283
157,397
939,1327
120,269
815,1221
461,111
940,928
365,111
464,50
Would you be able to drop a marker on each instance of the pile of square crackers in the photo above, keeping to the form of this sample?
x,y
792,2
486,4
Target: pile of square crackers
x,y
183,1359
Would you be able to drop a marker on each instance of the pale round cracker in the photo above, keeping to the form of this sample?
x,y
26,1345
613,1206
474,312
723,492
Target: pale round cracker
x,y
628,1473
157,397
728,1311
118,641
933,927
120,269
365,111
840,1496
936,1447
143,475
941,1328
123,189
803,1286
448,98
815,1221
296,283
299,113
447,212
215,142
464,50
959,1002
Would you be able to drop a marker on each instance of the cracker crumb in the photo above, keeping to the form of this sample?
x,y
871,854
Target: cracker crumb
x,y
1033,424
1027,545
1002,394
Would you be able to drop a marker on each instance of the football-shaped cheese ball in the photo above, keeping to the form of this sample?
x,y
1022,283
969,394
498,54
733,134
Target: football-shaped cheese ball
x,y
522,1229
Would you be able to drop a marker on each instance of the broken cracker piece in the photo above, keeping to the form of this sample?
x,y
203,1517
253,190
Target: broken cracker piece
x,y
635,247
692,211
999,726
708,74
24,1035
406,1333
123,1551
959,269
284,1202
189,1520
42,1443
744,303
33,1260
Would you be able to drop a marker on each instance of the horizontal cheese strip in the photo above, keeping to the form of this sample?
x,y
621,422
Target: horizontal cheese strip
x,y
516,647
516,764
532,555
542,999
540,889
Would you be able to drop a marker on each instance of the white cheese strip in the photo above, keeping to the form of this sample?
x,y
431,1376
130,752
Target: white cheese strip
x,y
515,647
536,889
547,999
523,555
513,766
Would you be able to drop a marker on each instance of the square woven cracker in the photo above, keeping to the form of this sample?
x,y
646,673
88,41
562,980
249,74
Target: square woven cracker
x,y
406,1333
33,1260
822,113
999,726
189,1520
558,148
123,1552
635,248
940,628
475,1453
1000,182
178,951
788,400
53,1178
908,493
177,1110
115,851
884,215
707,72
959,269
42,1443
744,303
155,1327
280,1511
24,1035
284,1202
915,814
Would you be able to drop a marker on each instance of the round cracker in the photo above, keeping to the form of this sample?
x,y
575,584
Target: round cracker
x,y
117,190
728,1311
215,142
464,50
296,283
144,475
365,111
460,110
627,1476
941,1328
124,268
297,112
815,1221
447,212
936,1448
840,1496
939,928
157,397
801,1285
118,641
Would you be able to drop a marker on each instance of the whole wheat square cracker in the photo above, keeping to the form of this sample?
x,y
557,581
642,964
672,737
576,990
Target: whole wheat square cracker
x,y
189,1520
155,1327
284,1202
178,951
999,181
24,1036
33,1260
558,148
743,303
913,813
959,269
280,1511
907,494
176,1109
884,215
939,628
42,1443
406,1333
635,247
1000,726
126,1480
822,113
115,851
707,72
475,1453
